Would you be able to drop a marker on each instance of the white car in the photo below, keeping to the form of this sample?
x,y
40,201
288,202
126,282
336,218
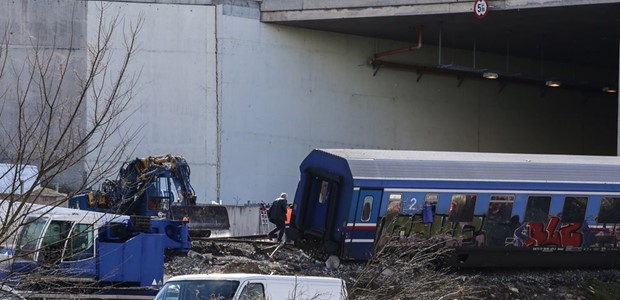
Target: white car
x,y
252,287
8,293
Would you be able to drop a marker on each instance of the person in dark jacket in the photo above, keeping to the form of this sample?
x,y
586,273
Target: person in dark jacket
x,y
277,216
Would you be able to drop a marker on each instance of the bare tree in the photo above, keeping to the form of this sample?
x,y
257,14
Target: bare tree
x,y
59,107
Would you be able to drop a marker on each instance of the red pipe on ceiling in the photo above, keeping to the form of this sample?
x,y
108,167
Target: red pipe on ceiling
x,y
404,49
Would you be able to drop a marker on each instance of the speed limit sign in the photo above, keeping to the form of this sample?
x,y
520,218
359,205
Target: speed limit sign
x,y
481,8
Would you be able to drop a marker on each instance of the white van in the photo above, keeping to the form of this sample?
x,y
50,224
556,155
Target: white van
x,y
252,287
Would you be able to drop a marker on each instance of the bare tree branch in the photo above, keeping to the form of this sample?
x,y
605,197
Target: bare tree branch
x,y
411,268
58,108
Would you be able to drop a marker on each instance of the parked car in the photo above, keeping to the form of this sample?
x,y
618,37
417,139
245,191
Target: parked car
x,y
252,287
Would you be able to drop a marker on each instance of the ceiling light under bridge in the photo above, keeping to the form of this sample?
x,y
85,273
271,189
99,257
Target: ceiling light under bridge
x,y
490,75
553,83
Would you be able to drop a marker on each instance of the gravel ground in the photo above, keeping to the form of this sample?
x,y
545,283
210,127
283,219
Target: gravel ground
x,y
545,284
264,258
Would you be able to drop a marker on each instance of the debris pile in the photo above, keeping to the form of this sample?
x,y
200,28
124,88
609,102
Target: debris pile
x,y
408,273
255,257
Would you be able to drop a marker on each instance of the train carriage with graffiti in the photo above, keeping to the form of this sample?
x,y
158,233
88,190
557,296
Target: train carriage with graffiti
x,y
526,210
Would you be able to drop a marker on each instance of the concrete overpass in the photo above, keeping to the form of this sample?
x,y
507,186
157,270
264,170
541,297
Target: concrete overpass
x,y
583,34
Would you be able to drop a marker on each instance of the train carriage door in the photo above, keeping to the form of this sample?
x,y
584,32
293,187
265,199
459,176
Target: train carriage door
x,y
321,194
361,231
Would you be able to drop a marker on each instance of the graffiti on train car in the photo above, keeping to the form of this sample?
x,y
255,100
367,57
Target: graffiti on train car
x,y
493,224
486,231
554,233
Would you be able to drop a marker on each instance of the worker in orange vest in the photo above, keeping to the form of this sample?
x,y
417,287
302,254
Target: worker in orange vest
x,y
289,214
287,223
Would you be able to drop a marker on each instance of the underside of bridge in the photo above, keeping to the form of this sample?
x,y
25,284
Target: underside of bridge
x,y
577,33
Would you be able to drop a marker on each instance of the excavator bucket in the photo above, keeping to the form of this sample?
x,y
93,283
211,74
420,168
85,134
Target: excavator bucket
x,y
202,219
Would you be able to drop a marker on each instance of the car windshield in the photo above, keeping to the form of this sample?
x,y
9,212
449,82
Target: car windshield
x,y
198,290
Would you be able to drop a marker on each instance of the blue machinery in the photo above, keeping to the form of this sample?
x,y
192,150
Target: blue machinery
x,y
499,209
99,249
155,186
119,235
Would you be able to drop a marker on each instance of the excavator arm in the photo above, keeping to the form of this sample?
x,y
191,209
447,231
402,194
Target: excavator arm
x,y
155,186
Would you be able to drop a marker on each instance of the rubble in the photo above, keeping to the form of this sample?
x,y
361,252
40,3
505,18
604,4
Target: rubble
x,y
267,258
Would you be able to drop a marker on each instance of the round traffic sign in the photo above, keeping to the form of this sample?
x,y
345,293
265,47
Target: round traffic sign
x,y
481,8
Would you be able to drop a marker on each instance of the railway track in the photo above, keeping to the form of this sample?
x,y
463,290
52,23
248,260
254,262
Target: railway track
x,y
258,239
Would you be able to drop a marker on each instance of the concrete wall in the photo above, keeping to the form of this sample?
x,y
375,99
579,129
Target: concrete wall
x,y
286,91
51,33
245,220
174,105
246,120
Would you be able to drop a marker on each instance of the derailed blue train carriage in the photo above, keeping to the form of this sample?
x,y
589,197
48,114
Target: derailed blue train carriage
x,y
503,210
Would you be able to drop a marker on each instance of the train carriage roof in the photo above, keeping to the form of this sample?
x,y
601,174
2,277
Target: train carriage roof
x,y
362,164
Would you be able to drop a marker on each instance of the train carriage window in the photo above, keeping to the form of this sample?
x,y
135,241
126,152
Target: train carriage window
x,y
610,210
394,203
500,208
574,210
432,199
462,208
367,209
537,209
324,195
498,226
430,207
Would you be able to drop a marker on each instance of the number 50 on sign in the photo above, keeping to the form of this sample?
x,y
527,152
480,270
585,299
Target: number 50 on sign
x,y
481,8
